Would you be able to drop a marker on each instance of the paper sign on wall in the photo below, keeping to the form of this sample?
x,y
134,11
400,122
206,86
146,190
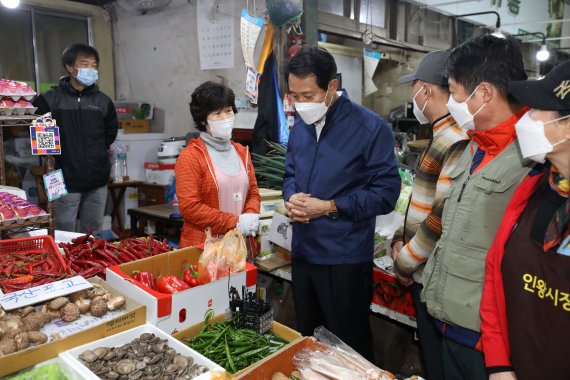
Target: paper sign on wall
x,y
250,30
371,60
216,34
42,293
251,84
54,185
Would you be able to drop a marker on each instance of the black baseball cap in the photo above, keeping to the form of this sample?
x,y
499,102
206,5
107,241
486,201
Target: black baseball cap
x,y
430,69
551,93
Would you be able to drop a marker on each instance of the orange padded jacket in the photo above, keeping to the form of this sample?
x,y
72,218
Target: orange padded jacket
x,y
197,192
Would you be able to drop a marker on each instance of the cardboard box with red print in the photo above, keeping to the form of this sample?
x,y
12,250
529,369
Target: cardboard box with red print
x,y
178,311
391,295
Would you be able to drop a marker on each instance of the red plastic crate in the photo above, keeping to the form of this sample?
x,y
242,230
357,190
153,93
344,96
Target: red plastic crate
x,y
24,245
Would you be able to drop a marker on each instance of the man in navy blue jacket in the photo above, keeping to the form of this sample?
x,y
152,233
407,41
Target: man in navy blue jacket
x,y
340,172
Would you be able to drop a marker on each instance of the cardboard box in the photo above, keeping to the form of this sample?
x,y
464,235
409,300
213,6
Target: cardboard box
x,y
133,315
134,126
390,294
72,362
160,174
280,361
281,231
125,109
175,312
278,329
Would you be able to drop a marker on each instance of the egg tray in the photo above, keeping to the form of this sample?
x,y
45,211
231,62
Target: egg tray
x,y
41,218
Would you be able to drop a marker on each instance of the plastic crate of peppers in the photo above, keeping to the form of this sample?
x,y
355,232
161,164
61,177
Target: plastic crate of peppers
x,y
88,256
29,262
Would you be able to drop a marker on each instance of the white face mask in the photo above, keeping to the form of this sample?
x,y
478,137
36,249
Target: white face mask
x,y
532,139
460,111
222,128
312,112
419,114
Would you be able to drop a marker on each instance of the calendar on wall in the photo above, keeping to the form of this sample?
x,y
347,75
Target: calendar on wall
x,y
216,38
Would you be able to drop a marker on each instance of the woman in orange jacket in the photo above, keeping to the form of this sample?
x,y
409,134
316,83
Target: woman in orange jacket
x,y
215,179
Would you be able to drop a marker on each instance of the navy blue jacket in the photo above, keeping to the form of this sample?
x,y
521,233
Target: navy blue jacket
x,y
353,163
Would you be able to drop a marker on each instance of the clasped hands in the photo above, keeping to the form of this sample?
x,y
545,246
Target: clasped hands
x,y
303,207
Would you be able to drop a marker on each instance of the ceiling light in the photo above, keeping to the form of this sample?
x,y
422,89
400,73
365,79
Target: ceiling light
x,y
10,3
543,54
497,33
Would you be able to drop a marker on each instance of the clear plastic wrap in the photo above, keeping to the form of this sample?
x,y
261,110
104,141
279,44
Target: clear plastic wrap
x,y
336,361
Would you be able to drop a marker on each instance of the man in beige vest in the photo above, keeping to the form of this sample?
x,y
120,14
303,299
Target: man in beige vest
x,y
483,182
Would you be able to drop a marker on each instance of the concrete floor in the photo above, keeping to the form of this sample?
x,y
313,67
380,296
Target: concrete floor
x,y
395,348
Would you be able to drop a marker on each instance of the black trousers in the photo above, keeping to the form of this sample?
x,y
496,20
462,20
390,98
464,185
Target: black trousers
x,y
430,338
337,297
462,363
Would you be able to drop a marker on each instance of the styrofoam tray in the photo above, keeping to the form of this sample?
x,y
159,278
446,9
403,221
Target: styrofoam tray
x,y
70,357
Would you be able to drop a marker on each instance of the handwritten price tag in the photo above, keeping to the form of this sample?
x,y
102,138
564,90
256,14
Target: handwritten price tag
x,y
42,293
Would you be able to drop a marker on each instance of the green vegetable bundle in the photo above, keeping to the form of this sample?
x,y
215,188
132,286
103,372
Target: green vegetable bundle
x,y
270,168
233,348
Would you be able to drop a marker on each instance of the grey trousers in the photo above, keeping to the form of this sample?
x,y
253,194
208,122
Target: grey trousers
x,y
90,205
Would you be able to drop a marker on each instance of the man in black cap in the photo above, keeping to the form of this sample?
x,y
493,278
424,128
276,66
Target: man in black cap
x,y
525,308
414,241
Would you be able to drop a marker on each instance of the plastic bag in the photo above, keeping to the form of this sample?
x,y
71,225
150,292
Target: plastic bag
x,y
221,257
336,361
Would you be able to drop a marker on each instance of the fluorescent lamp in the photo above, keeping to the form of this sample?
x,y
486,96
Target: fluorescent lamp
x,y
10,3
543,54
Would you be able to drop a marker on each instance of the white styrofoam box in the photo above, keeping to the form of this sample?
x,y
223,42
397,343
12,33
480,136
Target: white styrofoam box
x,y
141,148
161,174
131,200
70,357
281,232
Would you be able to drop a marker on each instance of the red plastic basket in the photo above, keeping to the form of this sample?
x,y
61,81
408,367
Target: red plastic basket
x,y
25,245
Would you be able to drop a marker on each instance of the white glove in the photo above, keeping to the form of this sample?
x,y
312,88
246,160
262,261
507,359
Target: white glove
x,y
248,224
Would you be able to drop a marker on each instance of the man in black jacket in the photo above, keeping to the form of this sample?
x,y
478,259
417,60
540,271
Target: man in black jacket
x,y
88,126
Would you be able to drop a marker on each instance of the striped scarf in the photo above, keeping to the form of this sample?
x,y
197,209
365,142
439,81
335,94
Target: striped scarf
x,y
559,226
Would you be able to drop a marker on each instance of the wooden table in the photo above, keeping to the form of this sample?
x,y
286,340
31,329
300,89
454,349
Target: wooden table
x,y
117,191
158,213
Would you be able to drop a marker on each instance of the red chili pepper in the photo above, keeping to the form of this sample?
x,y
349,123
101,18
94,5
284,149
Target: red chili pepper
x,y
191,276
171,285
146,278
20,280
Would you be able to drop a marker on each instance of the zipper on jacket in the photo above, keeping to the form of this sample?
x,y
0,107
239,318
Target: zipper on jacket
x,y
463,188
313,164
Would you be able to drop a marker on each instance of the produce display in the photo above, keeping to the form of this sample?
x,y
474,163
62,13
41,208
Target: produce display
x,y
233,348
15,98
15,209
146,357
89,256
22,328
169,284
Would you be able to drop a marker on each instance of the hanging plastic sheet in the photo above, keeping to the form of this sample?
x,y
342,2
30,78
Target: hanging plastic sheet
x,y
284,11
282,127
371,60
